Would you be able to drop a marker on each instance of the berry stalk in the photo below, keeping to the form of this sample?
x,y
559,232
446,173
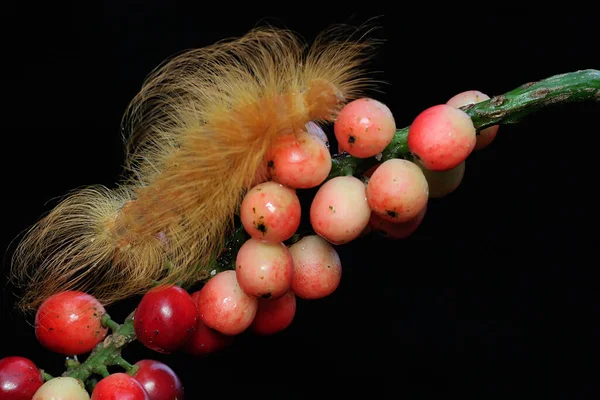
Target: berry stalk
x,y
108,352
505,109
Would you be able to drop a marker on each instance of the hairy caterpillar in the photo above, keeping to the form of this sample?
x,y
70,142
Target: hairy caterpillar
x,y
198,132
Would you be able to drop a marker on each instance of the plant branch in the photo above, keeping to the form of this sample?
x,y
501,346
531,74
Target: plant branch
x,y
108,352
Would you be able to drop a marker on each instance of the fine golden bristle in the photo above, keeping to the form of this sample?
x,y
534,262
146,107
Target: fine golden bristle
x,y
198,132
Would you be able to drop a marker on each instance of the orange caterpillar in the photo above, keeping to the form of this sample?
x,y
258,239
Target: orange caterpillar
x,y
199,130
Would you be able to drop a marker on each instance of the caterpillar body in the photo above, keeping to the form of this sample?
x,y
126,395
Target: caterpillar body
x,y
198,132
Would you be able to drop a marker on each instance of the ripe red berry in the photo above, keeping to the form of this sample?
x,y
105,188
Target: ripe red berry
x,y
119,386
19,378
70,323
270,212
205,340
159,380
441,137
224,306
274,315
485,136
165,318
364,127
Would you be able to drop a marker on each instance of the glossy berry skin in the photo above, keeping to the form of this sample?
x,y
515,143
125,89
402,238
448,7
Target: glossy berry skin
x,y
441,137
159,380
19,378
224,306
205,340
485,136
396,230
270,212
274,315
70,323
119,386
165,318
364,127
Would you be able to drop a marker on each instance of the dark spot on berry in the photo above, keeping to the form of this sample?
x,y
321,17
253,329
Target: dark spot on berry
x,y
329,266
261,227
254,210
155,332
332,208
50,329
392,213
351,139
266,296
88,327
270,164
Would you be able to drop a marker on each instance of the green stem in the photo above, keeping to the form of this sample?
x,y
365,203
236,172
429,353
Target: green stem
x,y
108,352
46,376
505,109
109,323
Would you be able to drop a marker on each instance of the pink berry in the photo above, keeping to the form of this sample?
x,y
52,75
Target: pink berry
x,y
270,212
397,191
263,269
396,230
274,315
317,268
442,183
224,306
364,127
299,161
205,340
441,137
485,136
339,211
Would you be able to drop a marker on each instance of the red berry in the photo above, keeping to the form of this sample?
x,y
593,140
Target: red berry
x,y
270,212
119,386
224,306
485,136
165,318
159,380
19,378
364,127
62,388
205,340
317,268
299,161
274,315
264,269
70,323
397,190
441,137
396,230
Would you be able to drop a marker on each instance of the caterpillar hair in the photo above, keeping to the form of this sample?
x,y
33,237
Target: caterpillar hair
x,y
197,133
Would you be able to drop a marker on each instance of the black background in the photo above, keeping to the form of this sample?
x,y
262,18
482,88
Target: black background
x,y
496,290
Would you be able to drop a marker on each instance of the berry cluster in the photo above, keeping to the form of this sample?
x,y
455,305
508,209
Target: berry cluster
x,y
260,294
